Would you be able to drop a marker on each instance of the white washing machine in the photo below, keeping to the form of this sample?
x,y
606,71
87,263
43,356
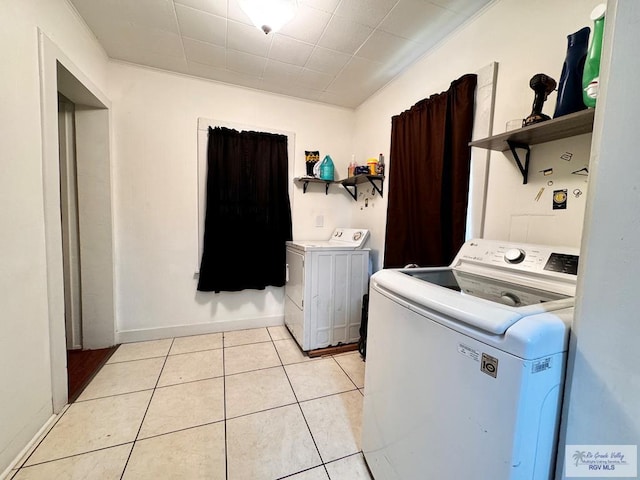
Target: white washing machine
x,y
465,364
325,283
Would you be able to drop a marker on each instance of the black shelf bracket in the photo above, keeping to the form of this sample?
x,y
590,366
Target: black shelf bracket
x,y
354,192
524,169
378,189
305,184
351,184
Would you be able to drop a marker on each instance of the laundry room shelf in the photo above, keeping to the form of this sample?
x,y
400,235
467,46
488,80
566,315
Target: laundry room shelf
x,y
556,129
351,184
305,181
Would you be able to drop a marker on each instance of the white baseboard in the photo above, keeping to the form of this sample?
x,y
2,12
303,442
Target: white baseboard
x,y
33,443
145,334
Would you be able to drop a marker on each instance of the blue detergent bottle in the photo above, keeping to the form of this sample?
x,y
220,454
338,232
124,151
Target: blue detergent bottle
x,y
326,169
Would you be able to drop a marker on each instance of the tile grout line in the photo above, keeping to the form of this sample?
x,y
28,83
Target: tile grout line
x,y
301,411
68,406
23,463
300,408
345,372
133,444
224,413
75,455
114,395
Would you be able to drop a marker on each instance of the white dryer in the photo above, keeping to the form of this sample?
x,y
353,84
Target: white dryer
x,y
325,283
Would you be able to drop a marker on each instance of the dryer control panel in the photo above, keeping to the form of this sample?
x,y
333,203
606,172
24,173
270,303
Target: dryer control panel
x,y
352,237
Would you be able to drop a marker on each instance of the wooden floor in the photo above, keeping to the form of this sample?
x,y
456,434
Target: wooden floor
x,y
82,365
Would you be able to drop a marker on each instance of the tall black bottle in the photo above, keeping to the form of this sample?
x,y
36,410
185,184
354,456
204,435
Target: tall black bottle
x,y
570,86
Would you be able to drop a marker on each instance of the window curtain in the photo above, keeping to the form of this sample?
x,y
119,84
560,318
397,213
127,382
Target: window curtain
x,y
248,216
429,178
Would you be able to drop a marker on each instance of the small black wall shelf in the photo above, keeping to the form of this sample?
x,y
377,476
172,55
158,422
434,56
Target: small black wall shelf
x,y
351,184
522,138
307,180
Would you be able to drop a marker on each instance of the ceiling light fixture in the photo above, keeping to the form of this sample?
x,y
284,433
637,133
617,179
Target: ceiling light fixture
x,y
269,15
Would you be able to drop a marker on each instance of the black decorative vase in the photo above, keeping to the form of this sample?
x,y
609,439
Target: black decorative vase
x,y
570,86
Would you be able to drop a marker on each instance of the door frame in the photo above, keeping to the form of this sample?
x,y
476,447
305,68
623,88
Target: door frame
x,y
70,229
59,73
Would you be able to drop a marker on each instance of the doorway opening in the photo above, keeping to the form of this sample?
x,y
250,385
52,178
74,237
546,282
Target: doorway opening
x,y
78,220
82,364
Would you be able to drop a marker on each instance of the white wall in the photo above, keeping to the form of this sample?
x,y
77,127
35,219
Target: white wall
x,y
525,38
25,376
155,118
602,400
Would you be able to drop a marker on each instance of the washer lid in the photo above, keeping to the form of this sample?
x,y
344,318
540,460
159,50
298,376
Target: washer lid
x,y
459,306
493,289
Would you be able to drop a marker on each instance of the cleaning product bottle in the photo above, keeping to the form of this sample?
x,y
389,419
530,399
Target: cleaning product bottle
x,y
569,99
352,167
326,168
591,75
380,167
372,163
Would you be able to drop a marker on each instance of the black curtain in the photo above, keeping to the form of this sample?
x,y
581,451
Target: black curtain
x,y
429,178
248,216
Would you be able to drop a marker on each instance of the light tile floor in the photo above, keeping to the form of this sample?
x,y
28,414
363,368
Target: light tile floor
x,y
241,405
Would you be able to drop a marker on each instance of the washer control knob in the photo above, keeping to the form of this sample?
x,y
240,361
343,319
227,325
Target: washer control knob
x,y
514,255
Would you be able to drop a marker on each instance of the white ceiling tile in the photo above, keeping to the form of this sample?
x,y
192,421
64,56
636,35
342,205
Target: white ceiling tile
x,y
108,24
365,11
237,14
308,94
245,38
116,39
368,69
201,26
383,47
155,60
314,80
107,12
465,7
159,41
279,72
290,90
307,25
344,35
324,5
246,63
343,99
327,61
217,7
393,52
417,20
123,39
205,71
359,74
223,75
206,53
156,14
288,50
